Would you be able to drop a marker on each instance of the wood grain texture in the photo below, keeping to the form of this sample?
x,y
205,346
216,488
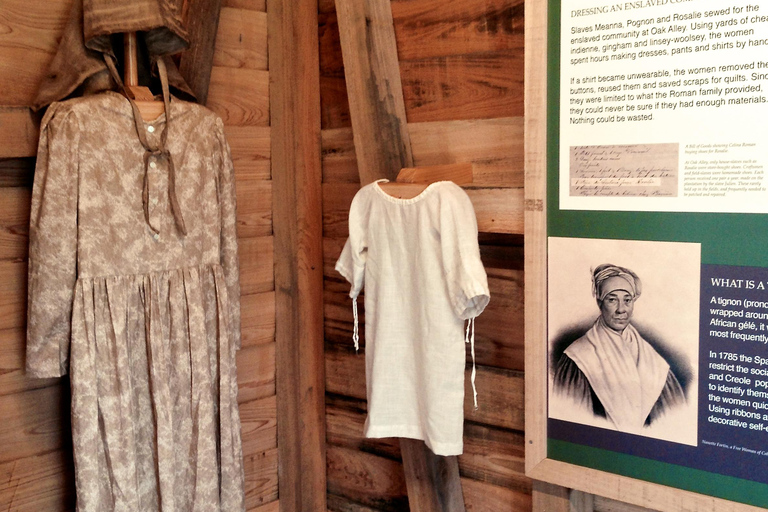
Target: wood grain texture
x,y
254,207
32,422
260,478
494,147
241,41
14,223
253,5
257,318
240,96
273,506
256,265
440,28
373,85
258,420
500,392
256,372
39,483
29,33
477,86
296,175
251,152
201,21
432,481
485,497
550,498
367,479
13,294
341,504
17,172
19,129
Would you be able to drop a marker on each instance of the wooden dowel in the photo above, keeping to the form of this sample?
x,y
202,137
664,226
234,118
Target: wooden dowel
x,y
130,68
145,100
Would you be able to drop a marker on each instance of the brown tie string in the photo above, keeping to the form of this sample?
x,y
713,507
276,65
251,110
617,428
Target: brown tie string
x,y
158,153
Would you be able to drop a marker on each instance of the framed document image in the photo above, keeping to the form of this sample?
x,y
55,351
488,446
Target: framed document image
x,y
646,208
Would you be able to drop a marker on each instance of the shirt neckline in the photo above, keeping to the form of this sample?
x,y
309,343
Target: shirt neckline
x,y
376,185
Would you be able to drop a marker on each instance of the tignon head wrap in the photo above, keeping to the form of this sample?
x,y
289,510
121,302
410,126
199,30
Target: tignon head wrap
x,y
607,278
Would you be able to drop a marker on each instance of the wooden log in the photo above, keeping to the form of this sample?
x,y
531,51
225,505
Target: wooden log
x,y
13,294
272,506
495,456
31,32
19,129
439,28
251,151
241,41
498,210
256,265
375,93
295,121
240,96
345,419
33,422
257,319
367,479
485,497
500,392
14,223
253,5
256,372
459,173
493,146
41,482
478,86
254,208
17,172
201,21
260,470
341,504
258,420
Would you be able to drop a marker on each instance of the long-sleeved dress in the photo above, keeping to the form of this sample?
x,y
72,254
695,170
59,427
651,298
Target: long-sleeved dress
x,y
143,317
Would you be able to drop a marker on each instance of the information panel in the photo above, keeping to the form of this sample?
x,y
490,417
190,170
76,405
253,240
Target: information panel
x,y
658,242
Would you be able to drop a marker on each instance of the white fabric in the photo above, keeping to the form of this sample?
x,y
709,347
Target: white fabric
x,y
625,372
420,262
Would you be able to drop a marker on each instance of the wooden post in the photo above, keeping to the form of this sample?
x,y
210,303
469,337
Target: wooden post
x,y
294,73
376,104
382,148
201,17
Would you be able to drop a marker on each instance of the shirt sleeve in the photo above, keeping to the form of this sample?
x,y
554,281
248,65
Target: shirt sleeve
x,y
465,275
228,237
53,245
351,263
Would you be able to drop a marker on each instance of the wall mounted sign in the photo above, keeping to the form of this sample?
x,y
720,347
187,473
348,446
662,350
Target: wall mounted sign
x,y
649,320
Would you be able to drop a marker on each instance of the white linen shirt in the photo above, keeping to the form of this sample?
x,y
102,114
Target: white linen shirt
x,y
420,263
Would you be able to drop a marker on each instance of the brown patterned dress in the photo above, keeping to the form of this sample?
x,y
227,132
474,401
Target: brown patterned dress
x,y
145,319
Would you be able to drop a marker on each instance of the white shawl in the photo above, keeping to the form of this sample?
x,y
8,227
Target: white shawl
x,y
625,372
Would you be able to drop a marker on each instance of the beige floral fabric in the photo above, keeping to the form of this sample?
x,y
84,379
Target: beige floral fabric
x,y
146,324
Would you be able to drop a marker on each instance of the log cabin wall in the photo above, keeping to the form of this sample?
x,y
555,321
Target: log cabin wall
x,y
35,447
461,64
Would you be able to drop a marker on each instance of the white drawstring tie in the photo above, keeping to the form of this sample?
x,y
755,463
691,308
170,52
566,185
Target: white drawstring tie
x,y
471,340
355,333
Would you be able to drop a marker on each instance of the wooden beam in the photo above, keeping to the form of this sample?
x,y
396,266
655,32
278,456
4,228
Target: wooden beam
x,y
19,129
375,91
202,22
297,225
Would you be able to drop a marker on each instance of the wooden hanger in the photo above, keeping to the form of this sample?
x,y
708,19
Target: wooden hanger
x,y
145,100
411,181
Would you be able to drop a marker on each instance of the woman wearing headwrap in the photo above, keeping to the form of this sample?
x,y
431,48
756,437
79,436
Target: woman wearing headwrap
x,y
612,370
